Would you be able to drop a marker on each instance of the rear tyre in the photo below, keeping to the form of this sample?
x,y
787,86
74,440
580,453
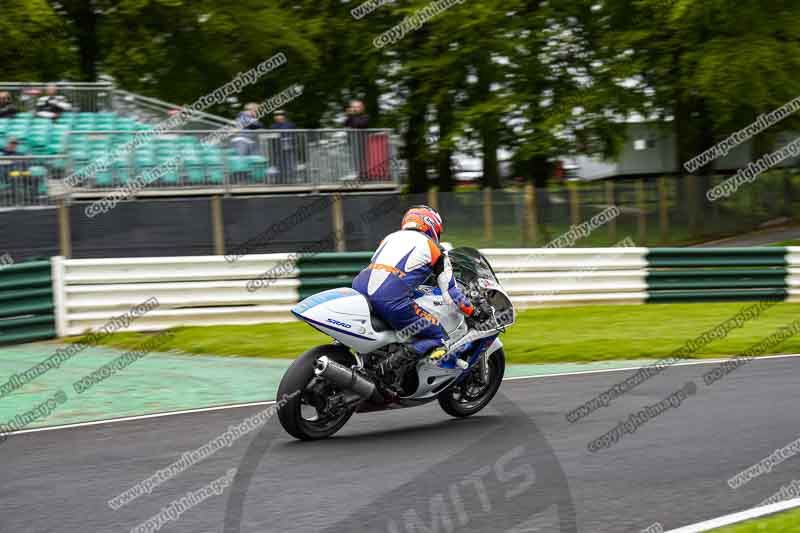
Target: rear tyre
x,y
303,416
470,396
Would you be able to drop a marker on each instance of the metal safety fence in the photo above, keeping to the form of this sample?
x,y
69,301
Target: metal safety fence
x,y
26,302
258,288
243,158
87,97
26,180
152,111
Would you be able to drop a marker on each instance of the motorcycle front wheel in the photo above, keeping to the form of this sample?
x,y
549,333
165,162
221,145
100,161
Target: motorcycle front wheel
x,y
309,415
471,395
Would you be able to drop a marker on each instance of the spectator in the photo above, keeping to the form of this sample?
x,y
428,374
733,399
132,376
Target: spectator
x,y
9,169
7,109
52,104
356,118
245,143
286,153
248,119
10,148
280,122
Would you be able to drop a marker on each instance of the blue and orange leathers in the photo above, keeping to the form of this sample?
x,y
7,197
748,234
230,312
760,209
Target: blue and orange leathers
x,y
403,261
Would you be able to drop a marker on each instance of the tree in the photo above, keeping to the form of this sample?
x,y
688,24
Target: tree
x,y
713,66
36,44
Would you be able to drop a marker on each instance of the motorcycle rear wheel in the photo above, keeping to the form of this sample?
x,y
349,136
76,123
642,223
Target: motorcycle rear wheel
x,y
459,402
295,413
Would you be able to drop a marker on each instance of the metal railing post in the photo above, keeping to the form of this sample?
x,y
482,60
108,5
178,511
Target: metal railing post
x,y
217,225
337,212
64,229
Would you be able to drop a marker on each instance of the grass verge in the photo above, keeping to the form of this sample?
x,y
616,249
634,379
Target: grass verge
x,y
788,522
577,334
793,242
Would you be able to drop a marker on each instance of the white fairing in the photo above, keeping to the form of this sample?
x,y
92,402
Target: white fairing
x,y
344,314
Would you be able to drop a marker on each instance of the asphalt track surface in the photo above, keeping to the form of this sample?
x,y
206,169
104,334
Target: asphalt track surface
x,y
518,462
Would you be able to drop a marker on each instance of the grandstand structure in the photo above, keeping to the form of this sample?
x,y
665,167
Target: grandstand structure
x,y
105,121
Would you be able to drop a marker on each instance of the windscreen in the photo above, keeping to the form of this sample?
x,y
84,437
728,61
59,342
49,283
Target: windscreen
x,y
469,263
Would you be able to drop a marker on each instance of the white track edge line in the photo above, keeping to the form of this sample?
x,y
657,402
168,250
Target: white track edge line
x,y
741,516
140,417
269,402
682,363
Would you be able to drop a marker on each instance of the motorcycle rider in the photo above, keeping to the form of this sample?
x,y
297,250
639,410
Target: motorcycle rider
x,y
402,262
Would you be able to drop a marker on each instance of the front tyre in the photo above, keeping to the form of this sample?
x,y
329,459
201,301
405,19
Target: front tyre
x,y
312,414
472,395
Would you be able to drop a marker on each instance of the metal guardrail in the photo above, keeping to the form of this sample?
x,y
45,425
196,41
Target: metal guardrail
x,y
209,290
198,291
87,97
104,97
25,180
153,111
248,160
26,302
303,158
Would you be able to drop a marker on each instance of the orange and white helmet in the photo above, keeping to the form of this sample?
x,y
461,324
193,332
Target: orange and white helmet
x,y
425,219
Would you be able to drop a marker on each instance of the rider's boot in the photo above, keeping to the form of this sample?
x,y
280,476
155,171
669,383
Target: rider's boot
x,y
433,349
437,353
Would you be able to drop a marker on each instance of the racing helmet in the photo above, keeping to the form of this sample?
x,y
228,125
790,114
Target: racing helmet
x,y
425,219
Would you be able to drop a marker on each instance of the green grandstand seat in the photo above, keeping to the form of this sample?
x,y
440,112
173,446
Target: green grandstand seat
x,y
104,178
121,170
124,125
144,160
215,174
59,163
38,171
258,166
39,138
212,155
118,139
55,147
238,165
99,153
195,170
212,158
102,142
170,176
79,160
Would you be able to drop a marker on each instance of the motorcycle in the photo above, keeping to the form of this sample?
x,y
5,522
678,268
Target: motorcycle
x,y
369,366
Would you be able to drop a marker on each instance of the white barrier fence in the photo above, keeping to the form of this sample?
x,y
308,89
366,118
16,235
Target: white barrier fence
x,y
191,291
209,290
551,277
793,276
